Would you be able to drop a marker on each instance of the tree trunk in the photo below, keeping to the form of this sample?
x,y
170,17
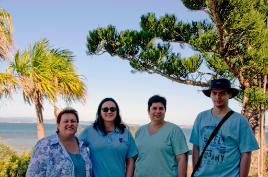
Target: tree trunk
x,y
258,157
262,151
253,118
262,169
40,121
56,111
256,120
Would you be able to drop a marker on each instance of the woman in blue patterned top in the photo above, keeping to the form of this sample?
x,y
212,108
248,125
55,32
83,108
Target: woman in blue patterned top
x,y
61,154
112,147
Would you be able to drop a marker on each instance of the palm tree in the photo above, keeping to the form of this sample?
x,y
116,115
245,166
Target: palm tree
x,y
45,73
6,41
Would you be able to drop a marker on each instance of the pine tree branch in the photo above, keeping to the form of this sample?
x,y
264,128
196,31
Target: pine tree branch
x,y
182,81
214,14
193,82
238,72
224,48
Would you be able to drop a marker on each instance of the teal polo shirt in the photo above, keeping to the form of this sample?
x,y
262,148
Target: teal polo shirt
x,y
158,151
109,153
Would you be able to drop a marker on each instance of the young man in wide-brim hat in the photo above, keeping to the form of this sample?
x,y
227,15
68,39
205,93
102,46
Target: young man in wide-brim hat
x,y
229,153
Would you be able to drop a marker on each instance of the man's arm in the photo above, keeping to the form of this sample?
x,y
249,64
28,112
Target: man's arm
x,y
182,164
195,155
245,164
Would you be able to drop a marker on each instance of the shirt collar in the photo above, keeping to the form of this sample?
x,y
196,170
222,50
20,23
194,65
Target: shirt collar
x,y
55,140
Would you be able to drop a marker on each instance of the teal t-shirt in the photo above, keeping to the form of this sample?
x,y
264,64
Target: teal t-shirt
x,y
157,152
109,153
79,165
222,157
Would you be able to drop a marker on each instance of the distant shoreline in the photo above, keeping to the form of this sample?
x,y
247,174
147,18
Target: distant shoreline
x,y
4,120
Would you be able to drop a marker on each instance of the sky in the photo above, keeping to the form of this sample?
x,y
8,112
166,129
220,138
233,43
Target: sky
x,y
66,23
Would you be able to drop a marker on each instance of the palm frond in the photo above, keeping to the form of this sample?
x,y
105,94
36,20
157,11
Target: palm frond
x,y
46,73
6,29
7,84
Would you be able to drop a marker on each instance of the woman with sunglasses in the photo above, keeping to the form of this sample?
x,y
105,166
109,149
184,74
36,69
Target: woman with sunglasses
x,y
112,147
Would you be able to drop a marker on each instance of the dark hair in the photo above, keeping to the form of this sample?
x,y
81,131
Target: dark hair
x,y
157,99
67,110
99,123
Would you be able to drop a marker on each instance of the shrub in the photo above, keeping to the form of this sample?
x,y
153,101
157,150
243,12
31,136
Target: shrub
x,y
5,152
12,164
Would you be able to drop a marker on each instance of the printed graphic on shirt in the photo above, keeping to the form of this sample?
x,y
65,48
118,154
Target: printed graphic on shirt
x,y
216,150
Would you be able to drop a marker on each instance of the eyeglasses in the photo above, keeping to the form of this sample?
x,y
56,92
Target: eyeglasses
x,y
106,109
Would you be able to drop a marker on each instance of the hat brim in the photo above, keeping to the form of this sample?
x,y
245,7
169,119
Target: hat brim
x,y
234,92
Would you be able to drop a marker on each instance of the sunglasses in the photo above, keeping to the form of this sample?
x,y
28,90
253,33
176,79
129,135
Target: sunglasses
x,y
106,109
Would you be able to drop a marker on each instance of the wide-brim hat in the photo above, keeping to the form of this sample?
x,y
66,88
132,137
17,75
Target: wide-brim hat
x,y
221,84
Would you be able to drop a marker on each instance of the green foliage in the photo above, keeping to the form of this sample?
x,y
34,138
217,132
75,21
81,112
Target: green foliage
x,y
145,51
7,84
12,164
16,166
234,45
44,72
194,4
256,96
168,28
216,64
5,152
192,63
205,42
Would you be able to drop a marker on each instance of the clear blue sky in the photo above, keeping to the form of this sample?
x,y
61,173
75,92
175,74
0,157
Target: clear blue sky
x,y
66,24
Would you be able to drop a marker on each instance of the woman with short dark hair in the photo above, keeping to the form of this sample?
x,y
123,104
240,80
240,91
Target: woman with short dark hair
x,y
162,145
61,154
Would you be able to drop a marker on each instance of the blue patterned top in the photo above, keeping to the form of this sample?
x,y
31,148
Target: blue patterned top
x,y
50,159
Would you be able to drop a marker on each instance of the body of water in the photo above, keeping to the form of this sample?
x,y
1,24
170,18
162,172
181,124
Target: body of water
x,y
22,136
